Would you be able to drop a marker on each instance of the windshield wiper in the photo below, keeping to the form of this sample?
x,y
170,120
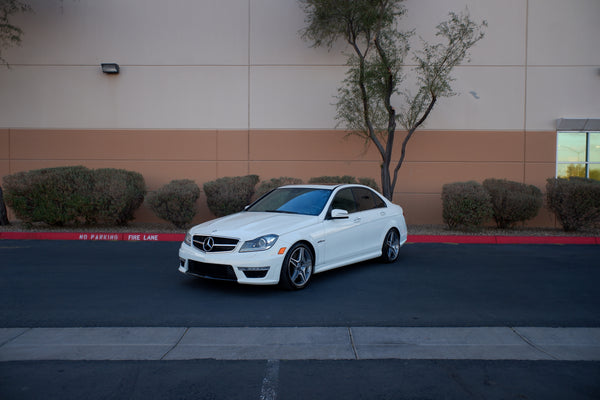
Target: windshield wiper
x,y
283,212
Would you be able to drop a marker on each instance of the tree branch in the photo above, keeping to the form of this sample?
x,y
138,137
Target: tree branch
x,y
411,131
365,97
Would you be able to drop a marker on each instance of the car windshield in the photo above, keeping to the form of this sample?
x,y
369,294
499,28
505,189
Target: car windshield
x,y
307,201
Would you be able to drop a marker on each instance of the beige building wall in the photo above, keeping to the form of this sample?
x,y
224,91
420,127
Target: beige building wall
x,y
226,87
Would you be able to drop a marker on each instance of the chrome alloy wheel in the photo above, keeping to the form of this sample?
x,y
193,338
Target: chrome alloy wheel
x,y
391,246
297,267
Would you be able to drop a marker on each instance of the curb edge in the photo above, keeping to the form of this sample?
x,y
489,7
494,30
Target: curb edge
x,y
178,237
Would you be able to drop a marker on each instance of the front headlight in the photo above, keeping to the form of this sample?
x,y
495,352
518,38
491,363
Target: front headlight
x,y
188,238
259,244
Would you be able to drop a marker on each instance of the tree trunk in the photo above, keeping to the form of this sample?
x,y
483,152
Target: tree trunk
x,y
3,214
386,184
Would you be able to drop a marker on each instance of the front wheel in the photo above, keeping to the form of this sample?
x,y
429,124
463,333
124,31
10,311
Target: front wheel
x,y
391,246
297,267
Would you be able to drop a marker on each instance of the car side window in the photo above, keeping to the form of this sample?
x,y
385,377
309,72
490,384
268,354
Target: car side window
x,y
364,198
344,200
379,203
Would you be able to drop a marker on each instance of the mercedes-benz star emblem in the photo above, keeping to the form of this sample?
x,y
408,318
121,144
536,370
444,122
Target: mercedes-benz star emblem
x,y
209,243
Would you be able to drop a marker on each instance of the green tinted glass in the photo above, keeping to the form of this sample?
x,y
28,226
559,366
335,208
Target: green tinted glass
x,y
571,147
595,171
594,147
566,170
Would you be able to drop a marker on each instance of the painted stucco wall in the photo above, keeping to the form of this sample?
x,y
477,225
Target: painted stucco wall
x,y
226,87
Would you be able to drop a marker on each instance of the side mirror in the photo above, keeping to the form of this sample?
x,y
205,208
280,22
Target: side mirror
x,y
336,213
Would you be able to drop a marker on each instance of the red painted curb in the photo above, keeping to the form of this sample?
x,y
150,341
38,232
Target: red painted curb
x,y
547,240
178,237
93,236
458,239
465,239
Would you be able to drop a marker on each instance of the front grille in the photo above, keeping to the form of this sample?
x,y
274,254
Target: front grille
x,y
212,244
212,271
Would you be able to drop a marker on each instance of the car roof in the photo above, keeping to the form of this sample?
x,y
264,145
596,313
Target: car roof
x,y
323,186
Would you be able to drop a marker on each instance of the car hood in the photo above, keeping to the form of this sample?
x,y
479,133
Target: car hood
x,y
250,225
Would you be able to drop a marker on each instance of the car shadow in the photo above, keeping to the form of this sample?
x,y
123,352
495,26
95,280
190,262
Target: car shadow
x,y
326,277
219,286
349,271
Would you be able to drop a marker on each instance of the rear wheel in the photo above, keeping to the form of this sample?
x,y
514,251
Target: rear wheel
x,y
391,246
297,267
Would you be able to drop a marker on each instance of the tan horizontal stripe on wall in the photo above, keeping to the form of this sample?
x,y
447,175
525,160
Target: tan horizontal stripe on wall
x,y
434,157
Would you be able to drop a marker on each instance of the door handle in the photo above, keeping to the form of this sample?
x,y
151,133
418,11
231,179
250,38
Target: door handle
x,y
356,220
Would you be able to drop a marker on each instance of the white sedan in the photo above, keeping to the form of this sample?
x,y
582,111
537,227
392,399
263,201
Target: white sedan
x,y
293,232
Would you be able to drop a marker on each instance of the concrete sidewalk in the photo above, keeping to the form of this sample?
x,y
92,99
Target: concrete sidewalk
x,y
302,343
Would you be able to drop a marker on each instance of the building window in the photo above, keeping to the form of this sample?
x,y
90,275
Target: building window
x,y
578,154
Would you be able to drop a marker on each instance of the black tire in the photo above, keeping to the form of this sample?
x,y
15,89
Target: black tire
x,y
297,268
390,250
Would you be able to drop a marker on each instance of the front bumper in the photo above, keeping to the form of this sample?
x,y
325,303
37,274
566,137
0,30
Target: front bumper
x,y
254,268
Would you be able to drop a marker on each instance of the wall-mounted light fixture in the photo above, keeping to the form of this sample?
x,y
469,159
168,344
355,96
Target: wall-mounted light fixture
x,y
110,68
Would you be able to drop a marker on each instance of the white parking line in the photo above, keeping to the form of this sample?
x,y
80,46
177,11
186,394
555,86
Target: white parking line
x,y
270,382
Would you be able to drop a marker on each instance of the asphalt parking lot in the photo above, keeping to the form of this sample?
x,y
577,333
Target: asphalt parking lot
x,y
106,319
122,284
